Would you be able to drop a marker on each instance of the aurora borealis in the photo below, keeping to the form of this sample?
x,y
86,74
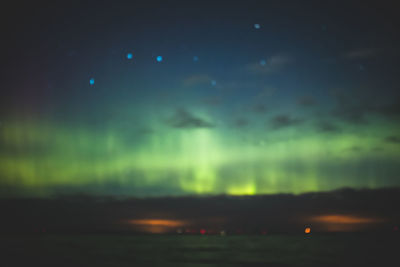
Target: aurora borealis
x,y
161,101
45,157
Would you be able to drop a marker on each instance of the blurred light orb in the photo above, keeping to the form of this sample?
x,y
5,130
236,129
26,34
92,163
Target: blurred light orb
x,y
159,58
129,56
307,230
263,62
91,81
195,58
257,26
213,82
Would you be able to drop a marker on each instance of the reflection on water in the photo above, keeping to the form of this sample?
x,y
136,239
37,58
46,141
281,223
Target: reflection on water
x,y
201,250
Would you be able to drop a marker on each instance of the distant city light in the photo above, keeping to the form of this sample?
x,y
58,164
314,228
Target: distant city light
x,y
213,82
159,58
203,231
91,81
257,26
263,62
129,56
157,222
195,58
264,232
307,230
344,219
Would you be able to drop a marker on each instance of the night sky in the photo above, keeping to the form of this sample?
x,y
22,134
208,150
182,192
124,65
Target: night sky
x,y
208,98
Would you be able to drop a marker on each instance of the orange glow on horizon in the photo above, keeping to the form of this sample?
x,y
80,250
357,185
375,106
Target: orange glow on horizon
x,y
344,223
156,226
158,222
344,219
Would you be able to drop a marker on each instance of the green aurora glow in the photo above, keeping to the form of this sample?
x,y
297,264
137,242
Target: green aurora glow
x,y
44,158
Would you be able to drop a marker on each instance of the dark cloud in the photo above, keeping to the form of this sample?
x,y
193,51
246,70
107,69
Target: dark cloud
x,y
196,79
355,149
353,115
184,119
281,121
326,126
390,110
306,101
393,139
352,109
145,131
356,108
213,101
273,64
259,108
377,149
240,122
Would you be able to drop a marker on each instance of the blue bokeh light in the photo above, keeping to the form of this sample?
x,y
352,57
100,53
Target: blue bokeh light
x,y
213,82
159,58
91,81
257,26
129,56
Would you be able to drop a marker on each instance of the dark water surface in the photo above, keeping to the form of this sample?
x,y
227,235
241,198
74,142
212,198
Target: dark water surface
x,y
205,251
